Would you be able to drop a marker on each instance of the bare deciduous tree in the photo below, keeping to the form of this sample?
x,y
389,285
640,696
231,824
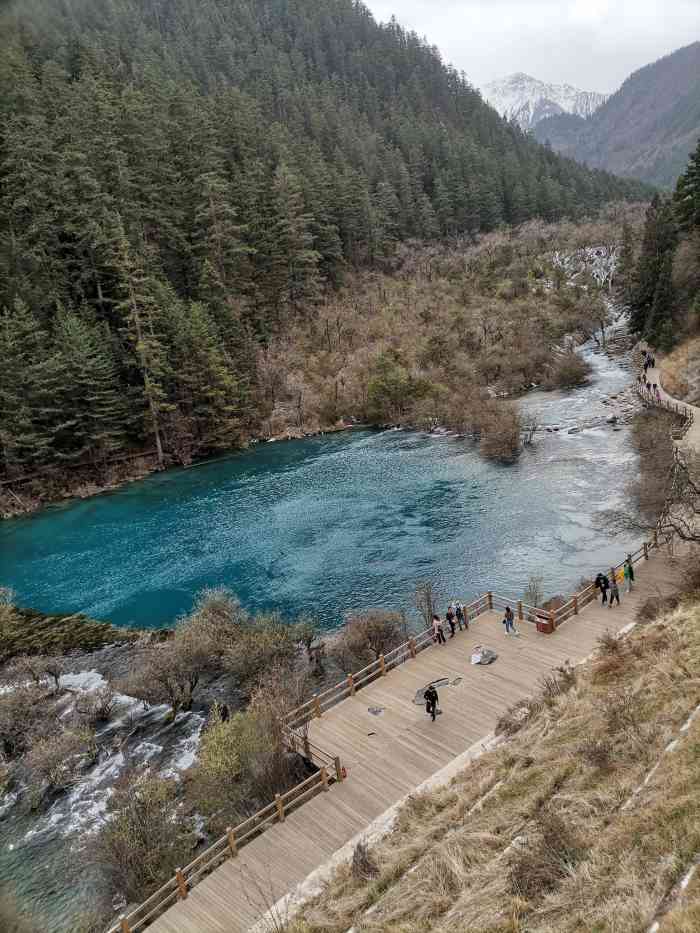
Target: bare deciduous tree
x,y
370,634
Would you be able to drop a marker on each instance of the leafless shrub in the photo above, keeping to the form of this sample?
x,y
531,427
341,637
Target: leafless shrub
x,y
500,432
534,592
368,635
513,720
97,707
609,644
540,866
24,716
364,866
145,838
54,762
560,682
622,715
568,370
426,601
597,753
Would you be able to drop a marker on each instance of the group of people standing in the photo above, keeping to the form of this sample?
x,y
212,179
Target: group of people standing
x,y
651,388
608,586
456,616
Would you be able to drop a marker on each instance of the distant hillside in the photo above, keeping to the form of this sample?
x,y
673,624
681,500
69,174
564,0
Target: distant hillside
x,y
528,101
645,130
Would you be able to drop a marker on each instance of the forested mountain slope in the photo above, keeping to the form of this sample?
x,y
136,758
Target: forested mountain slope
x,y
180,180
645,130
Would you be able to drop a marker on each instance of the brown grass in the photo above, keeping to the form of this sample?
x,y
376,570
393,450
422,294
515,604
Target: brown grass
x,y
533,836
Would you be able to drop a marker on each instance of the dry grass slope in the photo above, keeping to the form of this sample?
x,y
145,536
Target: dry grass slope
x,y
587,818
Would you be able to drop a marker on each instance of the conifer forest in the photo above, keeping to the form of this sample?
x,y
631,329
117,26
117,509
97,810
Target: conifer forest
x,y
182,182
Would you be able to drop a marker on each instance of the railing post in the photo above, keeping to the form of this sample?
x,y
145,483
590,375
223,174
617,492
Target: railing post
x,y
338,770
646,551
382,665
490,597
324,778
181,884
520,610
232,844
412,646
553,619
575,605
280,808
124,924
317,706
307,747
351,684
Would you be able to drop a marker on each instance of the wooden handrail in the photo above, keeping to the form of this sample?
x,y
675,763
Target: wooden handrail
x,y
178,886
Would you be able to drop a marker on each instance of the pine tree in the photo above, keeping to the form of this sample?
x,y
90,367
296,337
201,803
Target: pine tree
x,y
687,195
626,264
29,392
139,313
293,260
219,238
659,325
203,387
660,238
94,416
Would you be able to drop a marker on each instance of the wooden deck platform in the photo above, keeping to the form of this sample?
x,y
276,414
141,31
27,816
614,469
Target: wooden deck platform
x,y
389,754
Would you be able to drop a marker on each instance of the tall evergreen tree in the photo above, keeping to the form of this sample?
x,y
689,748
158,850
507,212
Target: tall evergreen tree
x,y
94,416
687,196
659,325
660,238
294,276
626,264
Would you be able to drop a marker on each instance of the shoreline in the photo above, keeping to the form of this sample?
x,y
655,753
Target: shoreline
x,y
87,489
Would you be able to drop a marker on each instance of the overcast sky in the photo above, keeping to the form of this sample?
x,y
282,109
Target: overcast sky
x,y
592,44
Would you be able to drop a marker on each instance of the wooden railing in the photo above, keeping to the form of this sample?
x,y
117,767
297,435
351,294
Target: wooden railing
x,y
682,411
320,702
330,770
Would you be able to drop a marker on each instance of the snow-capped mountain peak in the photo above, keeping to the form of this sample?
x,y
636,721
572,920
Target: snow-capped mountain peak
x,y
527,100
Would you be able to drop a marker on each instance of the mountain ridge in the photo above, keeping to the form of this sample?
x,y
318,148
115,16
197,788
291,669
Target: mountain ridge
x,y
645,130
528,100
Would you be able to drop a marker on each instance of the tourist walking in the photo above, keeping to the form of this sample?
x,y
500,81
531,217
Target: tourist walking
x,y
603,584
438,633
450,616
431,701
509,621
629,574
614,591
459,612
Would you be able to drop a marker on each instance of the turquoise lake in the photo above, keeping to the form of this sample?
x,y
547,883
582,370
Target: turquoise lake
x,y
336,523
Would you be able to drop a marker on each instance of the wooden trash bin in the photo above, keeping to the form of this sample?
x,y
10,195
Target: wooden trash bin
x,y
545,626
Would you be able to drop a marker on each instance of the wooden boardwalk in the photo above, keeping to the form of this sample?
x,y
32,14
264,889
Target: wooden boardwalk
x,y
389,754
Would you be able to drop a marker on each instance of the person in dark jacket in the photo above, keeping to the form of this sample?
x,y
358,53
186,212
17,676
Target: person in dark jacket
x,y
431,701
603,584
450,616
